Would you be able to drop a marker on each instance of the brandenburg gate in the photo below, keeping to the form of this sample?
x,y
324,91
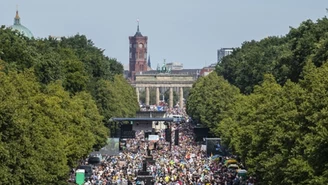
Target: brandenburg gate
x,y
163,80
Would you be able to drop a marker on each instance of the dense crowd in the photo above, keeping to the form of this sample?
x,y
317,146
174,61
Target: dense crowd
x,y
183,164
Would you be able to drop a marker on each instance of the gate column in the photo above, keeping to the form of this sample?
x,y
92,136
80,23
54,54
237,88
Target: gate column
x,y
181,98
138,95
171,97
147,95
157,96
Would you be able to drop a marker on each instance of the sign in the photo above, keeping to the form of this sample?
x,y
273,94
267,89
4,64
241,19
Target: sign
x,y
153,137
148,179
145,176
145,126
128,134
80,176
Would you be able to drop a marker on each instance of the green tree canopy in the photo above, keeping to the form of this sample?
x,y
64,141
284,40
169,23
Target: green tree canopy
x,y
209,97
277,125
56,98
284,56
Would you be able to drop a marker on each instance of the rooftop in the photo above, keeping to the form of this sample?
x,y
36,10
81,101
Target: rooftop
x,y
20,28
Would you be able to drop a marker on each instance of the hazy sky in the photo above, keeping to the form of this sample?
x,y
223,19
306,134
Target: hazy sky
x,y
186,31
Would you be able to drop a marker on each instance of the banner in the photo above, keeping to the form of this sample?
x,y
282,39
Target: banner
x,y
153,137
143,126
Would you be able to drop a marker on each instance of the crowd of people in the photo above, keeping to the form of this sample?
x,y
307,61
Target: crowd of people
x,y
184,164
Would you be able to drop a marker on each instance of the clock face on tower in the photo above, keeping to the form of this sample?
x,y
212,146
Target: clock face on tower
x,y
140,45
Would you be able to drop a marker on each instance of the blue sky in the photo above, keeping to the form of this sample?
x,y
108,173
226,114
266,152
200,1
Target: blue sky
x,y
186,31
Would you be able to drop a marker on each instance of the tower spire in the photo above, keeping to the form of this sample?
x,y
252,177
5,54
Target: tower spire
x,y
149,64
138,33
138,26
17,18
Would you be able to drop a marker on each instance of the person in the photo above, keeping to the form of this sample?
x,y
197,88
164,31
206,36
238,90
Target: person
x,y
185,164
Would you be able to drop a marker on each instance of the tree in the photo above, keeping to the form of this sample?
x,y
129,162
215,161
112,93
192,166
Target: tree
x,y
75,79
55,98
284,57
49,69
210,96
116,98
314,127
246,66
28,135
16,50
278,125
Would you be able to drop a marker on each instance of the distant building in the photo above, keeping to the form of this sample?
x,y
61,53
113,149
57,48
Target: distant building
x,y
138,54
192,72
55,37
224,52
207,70
174,66
20,28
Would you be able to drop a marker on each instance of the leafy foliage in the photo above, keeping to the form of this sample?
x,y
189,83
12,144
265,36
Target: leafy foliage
x,y
284,57
278,123
56,97
210,96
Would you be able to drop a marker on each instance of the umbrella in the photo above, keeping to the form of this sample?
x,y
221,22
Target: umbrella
x,y
235,166
241,171
230,161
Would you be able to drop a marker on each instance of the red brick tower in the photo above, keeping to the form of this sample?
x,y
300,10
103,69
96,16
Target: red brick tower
x,y
138,54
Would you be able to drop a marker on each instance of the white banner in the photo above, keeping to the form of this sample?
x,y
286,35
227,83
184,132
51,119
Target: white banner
x,y
153,137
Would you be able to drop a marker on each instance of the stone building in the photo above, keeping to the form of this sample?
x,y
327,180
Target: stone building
x,y
138,54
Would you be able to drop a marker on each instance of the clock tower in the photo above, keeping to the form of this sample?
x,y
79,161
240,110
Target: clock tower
x,y
138,54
